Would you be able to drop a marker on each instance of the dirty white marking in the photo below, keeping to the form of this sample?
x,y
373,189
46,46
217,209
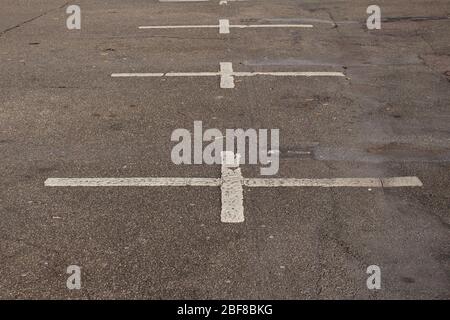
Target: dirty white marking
x,y
125,75
289,74
221,2
232,191
168,74
242,26
337,182
227,74
198,26
183,0
232,182
132,182
401,182
224,26
226,79
225,2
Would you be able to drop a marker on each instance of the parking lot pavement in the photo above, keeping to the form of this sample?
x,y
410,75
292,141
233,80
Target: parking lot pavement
x,y
64,116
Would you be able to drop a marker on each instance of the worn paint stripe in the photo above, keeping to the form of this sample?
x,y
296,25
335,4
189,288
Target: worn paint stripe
x,y
242,26
232,191
289,74
224,26
180,27
226,79
132,182
336,182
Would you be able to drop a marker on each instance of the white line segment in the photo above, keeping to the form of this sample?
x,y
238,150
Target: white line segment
x,y
336,182
232,191
132,182
221,2
242,26
199,26
224,26
226,72
289,74
126,75
183,0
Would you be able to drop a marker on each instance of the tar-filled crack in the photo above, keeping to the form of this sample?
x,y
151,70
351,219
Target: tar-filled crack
x,y
31,19
419,18
332,19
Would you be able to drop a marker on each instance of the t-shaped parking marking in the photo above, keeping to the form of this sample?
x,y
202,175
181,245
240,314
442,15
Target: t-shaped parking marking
x,y
221,2
227,74
224,26
232,183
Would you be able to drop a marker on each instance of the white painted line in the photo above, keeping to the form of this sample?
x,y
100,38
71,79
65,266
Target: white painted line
x,y
180,27
226,79
227,74
225,2
232,191
327,183
289,74
221,2
395,182
126,75
132,182
169,74
401,182
242,26
192,74
224,26
183,0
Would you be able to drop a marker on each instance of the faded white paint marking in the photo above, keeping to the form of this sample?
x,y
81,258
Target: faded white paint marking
x,y
232,191
226,78
289,74
328,183
395,182
224,26
232,182
242,26
126,75
401,182
192,74
227,74
183,0
168,74
132,182
199,26
225,2
221,2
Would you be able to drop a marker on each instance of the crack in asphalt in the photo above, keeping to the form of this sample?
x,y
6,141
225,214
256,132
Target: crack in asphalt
x,y
428,18
2,33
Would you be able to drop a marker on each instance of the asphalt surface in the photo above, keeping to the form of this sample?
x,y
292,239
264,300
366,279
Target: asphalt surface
x,y
62,115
